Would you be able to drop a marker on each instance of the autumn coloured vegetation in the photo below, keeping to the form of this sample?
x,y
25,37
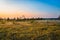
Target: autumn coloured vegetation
x,y
25,29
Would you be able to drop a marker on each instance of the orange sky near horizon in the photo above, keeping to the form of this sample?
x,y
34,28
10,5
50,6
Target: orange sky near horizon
x,y
26,14
16,14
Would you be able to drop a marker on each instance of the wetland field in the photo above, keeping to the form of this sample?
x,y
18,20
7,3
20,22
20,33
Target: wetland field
x,y
30,30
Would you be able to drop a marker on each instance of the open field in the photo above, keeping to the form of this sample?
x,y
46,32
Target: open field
x,y
30,30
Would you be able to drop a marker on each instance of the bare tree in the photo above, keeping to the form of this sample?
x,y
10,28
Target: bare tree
x,y
8,18
23,16
59,16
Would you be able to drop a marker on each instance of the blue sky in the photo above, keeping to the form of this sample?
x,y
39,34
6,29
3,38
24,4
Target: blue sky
x,y
36,8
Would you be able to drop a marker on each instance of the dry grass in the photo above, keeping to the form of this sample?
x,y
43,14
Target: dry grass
x,y
30,30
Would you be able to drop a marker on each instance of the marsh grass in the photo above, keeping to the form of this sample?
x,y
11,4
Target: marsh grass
x,y
29,30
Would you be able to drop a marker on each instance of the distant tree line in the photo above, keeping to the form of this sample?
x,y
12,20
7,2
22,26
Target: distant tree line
x,y
20,19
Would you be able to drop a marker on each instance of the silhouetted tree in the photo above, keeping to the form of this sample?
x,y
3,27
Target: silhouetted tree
x,y
40,18
23,17
14,18
1,18
18,19
8,18
59,17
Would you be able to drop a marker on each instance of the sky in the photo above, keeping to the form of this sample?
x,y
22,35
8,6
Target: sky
x,y
29,8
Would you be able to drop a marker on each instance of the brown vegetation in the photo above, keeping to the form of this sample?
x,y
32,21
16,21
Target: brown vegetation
x,y
30,30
